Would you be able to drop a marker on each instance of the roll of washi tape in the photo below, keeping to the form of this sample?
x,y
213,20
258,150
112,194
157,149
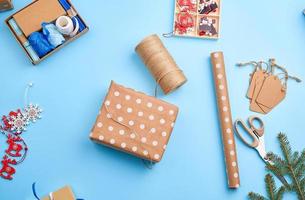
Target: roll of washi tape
x,y
225,119
65,26
160,63
73,14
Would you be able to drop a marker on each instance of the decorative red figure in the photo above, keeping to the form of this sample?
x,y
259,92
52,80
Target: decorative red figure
x,y
7,170
12,126
184,22
187,5
14,148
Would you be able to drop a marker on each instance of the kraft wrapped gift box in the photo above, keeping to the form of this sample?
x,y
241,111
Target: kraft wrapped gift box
x,y
5,5
135,123
64,193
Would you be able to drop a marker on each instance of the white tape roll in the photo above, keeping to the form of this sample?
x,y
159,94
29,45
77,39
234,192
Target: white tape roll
x,y
65,25
76,27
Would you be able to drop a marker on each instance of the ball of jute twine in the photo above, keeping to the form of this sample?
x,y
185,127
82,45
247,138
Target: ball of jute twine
x,y
160,63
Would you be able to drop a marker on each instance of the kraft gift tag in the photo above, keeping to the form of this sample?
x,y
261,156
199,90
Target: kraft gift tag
x,y
254,77
266,90
64,193
272,92
258,84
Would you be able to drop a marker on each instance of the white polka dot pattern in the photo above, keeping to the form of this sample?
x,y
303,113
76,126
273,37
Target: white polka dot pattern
x,y
132,136
121,132
134,148
120,119
101,137
127,97
100,124
135,123
118,106
151,117
225,118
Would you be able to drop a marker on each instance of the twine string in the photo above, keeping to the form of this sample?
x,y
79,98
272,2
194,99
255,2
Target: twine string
x,y
257,65
158,81
160,64
284,72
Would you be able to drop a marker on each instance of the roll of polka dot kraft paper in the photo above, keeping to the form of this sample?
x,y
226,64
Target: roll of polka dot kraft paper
x,y
225,119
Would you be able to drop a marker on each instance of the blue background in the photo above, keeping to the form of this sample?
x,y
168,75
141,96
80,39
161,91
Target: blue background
x,y
71,85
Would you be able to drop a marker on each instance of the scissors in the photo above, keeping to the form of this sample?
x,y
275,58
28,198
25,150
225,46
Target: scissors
x,y
257,134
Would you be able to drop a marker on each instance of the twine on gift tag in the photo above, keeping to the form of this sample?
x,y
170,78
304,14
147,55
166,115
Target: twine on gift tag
x,y
160,64
284,71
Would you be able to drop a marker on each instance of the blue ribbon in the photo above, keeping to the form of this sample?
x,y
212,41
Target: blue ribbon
x,y
67,6
34,191
35,194
40,44
54,37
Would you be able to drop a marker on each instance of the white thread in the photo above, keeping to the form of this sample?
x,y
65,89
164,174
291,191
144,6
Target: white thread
x,y
26,93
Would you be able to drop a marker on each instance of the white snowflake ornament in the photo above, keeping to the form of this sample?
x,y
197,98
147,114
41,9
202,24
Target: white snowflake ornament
x,y
32,112
18,123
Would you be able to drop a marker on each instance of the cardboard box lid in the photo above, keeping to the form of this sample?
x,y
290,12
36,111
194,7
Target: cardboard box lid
x,y
30,18
64,193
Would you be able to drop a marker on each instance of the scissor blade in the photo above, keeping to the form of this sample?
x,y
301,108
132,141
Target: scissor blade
x,y
262,150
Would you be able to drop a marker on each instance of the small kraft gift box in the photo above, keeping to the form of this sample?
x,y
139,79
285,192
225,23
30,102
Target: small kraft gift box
x,y
64,193
37,27
6,5
135,123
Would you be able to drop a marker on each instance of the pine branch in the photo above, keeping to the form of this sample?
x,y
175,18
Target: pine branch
x,y
272,192
270,186
278,172
303,183
291,165
278,163
280,193
285,147
300,160
255,196
300,170
286,150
